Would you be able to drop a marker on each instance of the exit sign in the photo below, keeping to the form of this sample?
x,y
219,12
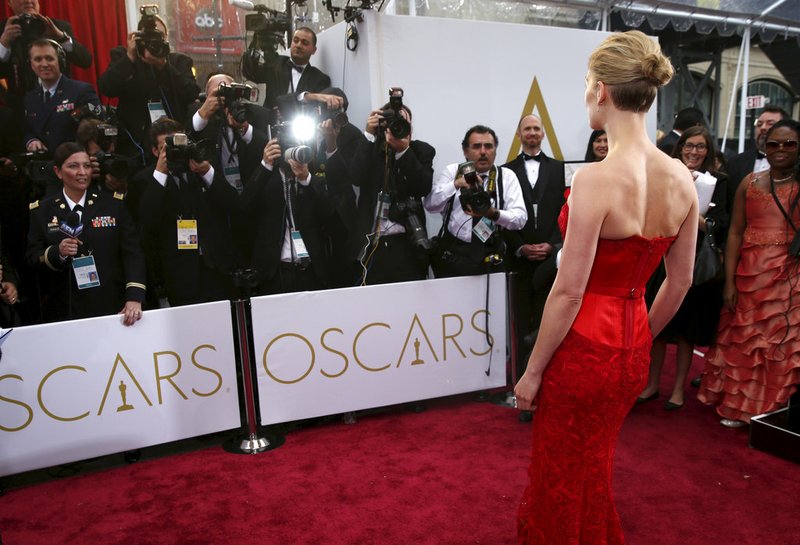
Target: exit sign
x,y
755,102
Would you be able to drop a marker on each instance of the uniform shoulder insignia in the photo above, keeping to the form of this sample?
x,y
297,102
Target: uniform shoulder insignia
x,y
33,205
119,196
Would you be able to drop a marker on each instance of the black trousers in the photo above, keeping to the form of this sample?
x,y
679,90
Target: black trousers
x,y
291,278
395,259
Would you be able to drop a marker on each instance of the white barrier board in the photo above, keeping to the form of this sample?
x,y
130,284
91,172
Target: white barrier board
x,y
76,390
328,352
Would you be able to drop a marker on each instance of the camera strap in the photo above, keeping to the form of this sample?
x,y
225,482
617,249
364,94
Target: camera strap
x,y
780,206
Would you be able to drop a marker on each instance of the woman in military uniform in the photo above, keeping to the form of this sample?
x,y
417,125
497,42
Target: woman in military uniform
x,y
85,247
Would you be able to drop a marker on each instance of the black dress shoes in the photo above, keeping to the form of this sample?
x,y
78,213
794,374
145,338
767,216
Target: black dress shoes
x,y
640,400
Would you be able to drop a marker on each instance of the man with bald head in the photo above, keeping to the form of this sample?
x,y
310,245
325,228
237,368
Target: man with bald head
x,y
530,251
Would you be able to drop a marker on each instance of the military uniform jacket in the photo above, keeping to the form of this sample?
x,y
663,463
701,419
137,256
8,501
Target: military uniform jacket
x,y
108,235
50,120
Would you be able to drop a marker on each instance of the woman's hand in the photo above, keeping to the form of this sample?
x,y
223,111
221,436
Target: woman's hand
x,y
730,295
132,312
526,391
68,247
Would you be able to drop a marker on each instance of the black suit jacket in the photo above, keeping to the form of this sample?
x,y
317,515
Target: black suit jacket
x,y
277,76
667,144
136,84
19,65
110,236
264,202
548,194
738,168
413,179
183,274
51,121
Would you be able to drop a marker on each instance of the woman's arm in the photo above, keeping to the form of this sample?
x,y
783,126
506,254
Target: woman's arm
x,y
586,217
733,245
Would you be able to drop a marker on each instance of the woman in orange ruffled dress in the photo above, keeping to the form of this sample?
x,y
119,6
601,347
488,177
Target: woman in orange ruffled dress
x,y
755,364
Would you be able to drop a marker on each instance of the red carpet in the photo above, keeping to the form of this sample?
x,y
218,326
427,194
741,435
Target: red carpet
x,y
450,475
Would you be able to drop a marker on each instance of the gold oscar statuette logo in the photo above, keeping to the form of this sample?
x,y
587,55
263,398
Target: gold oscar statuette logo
x,y
536,105
417,361
124,406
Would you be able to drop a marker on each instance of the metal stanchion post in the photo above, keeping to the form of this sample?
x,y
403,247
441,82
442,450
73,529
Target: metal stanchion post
x,y
512,278
251,440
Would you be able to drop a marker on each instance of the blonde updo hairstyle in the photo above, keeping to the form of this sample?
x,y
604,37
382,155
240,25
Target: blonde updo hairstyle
x,y
633,67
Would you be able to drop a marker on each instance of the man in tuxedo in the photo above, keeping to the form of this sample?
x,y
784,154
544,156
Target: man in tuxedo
x,y
289,210
688,117
150,82
49,107
290,75
185,216
16,34
753,159
531,250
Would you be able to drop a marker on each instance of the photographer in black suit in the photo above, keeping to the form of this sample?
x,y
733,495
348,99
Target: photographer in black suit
x,y
17,32
290,75
393,173
150,82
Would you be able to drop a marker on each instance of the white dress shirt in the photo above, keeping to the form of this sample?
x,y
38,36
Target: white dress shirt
x,y
512,216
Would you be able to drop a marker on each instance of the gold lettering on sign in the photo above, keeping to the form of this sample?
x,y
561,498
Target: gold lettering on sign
x,y
209,369
452,337
477,328
355,347
329,349
276,339
535,101
41,401
168,378
16,402
120,361
416,344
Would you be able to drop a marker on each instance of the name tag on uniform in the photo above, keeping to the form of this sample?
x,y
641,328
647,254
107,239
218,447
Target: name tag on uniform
x,y
187,234
483,229
299,246
85,272
156,110
234,177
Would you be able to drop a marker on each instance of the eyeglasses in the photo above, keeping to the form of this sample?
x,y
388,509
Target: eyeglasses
x,y
691,147
774,145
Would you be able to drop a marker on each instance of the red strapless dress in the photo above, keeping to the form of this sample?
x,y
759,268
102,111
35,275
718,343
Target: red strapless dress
x,y
587,390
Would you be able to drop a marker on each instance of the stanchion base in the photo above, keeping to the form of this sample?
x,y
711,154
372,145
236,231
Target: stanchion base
x,y
508,400
247,443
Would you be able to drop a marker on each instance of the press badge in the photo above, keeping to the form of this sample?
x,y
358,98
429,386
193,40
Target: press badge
x,y
384,203
299,246
234,177
483,229
156,110
85,272
187,234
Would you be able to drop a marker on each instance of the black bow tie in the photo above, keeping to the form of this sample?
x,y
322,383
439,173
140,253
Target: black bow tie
x,y
760,155
532,157
296,66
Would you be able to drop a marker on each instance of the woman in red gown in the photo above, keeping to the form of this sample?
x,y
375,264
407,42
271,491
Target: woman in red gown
x,y
754,365
591,356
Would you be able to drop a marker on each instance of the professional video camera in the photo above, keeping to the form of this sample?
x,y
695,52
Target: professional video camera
x,y
391,117
111,163
180,149
475,197
149,37
237,96
408,214
34,165
269,28
32,26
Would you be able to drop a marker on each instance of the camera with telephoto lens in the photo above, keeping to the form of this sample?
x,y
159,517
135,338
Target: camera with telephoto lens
x,y
474,197
237,96
292,148
32,26
116,165
339,117
391,117
149,37
408,213
180,149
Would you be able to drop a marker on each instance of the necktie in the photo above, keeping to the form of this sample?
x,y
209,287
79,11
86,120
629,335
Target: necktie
x,y
78,209
531,157
48,95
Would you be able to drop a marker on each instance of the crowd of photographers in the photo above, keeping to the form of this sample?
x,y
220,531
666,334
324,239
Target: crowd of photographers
x,y
178,196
